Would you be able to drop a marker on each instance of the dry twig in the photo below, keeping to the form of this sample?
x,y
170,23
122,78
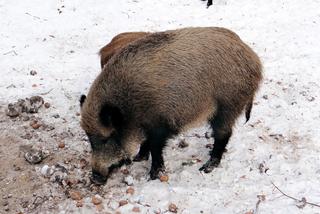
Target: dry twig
x,y
303,200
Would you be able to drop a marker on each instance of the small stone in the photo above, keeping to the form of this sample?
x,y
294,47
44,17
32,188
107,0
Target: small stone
x,y
125,171
56,116
96,199
128,180
35,125
33,72
77,114
207,135
265,97
164,178
9,195
75,195
136,209
130,190
61,145
12,111
34,156
26,118
83,163
183,144
79,203
46,171
209,146
6,208
173,208
122,203
47,105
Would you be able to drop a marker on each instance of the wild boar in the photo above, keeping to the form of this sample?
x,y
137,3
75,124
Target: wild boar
x,y
163,84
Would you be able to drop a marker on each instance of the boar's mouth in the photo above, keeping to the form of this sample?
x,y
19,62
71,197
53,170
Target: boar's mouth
x,y
99,179
115,166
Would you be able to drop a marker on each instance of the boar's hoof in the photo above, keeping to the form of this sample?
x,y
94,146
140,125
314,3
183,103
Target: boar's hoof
x,y
139,157
98,179
156,173
210,165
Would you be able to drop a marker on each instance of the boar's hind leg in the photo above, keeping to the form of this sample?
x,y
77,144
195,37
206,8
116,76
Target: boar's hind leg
x,y
157,138
144,152
222,129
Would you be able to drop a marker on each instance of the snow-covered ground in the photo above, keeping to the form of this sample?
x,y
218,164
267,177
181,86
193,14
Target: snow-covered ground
x,y
280,144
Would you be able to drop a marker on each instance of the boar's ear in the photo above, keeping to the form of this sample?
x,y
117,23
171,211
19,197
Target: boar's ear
x,y
82,99
110,116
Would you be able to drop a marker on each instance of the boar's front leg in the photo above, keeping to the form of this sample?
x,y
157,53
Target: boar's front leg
x,y
144,152
222,130
157,138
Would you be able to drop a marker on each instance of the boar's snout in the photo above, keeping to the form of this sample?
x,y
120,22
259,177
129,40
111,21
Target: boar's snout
x,y
98,178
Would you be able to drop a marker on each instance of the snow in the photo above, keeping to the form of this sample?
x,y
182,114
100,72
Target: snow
x,y
282,135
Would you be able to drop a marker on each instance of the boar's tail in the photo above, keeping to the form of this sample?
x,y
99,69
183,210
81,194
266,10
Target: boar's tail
x,y
248,109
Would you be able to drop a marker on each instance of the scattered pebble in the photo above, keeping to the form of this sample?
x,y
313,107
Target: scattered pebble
x,y
75,195
35,125
5,203
83,163
164,178
130,190
122,203
173,208
128,180
33,72
46,171
209,146
136,209
6,208
34,156
97,199
61,145
125,171
47,105
207,135
12,111
183,144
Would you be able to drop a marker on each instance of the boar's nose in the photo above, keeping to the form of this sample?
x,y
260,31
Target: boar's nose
x,y
97,178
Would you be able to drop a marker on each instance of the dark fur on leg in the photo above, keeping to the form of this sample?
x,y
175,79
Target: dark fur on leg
x,y
222,131
144,152
157,137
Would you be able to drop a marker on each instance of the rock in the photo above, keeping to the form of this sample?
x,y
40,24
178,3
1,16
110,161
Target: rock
x,y
56,116
164,178
207,135
47,105
128,180
130,190
6,208
35,125
75,195
33,73
46,171
34,156
125,171
83,163
183,144
209,146
99,207
97,199
173,208
122,203
61,145
136,209
12,111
